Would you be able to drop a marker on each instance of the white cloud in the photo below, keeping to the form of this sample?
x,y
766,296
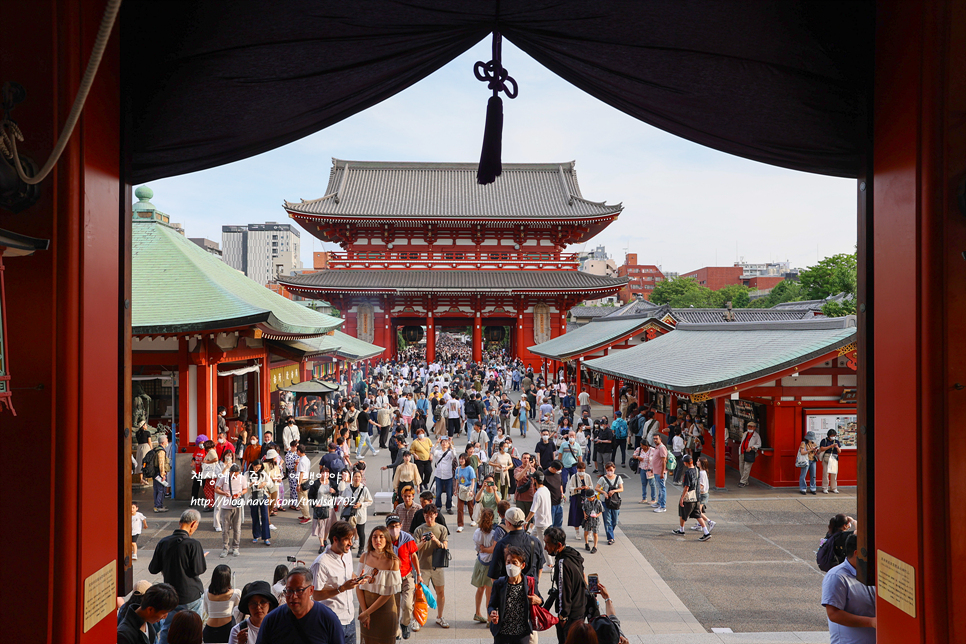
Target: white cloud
x,y
685,206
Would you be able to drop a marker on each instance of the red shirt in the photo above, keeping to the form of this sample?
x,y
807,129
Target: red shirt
x,y
198,457
405,552
221,447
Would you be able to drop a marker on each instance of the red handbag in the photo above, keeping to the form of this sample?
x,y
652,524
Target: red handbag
x,y
541,618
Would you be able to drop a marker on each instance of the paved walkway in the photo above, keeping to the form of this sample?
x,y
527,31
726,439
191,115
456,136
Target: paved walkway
x,y
635,569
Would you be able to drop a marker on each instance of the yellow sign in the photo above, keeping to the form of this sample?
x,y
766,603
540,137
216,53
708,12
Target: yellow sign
x,y
100,595
897,583
282,377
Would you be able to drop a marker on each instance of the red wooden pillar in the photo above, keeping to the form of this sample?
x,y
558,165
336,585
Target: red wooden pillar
x,y
305,371
430,331
914,234
207,409
184,434
477,335
720,434
264,384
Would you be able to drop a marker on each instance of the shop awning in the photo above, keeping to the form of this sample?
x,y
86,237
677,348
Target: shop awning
x,y
312,388
596,334
342,345
701,358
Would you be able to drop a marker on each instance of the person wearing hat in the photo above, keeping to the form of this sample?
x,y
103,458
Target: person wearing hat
x,y
750,444
807,453
688,506
515,520
257,601
829,450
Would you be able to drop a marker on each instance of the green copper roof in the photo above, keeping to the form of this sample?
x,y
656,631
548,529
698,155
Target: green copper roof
x,y
177,287
598,333
339,344
704,357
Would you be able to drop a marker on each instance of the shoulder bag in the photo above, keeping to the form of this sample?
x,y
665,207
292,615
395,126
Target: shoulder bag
x,y
613,502
348,511
540,618
801,460
441,558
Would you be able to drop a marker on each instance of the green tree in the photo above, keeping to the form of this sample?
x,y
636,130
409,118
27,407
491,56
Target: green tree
x,y
737,294
832,275
682,292
784,291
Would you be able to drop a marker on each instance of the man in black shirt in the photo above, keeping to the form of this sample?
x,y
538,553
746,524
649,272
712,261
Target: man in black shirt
x,y
554,483
425,498
518,537
688,506
181,562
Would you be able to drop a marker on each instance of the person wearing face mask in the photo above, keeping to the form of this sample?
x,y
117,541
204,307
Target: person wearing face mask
x,y
569,580
252,453
545,449
222,445
510,601
231,488
406,548
222,422
750,444
570,452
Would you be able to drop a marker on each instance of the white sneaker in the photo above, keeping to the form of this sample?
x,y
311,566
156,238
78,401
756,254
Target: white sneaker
x,y
835,491
217,529
271,527
711,525
414,626
472,524
660,509
459,529
134,557
695,527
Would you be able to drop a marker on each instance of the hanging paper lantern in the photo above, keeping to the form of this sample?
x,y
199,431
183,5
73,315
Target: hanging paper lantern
x,y
412,334
494,333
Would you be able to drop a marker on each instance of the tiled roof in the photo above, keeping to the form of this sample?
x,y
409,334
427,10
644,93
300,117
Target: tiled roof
x,y
394,281
339,344
177,287
704,357
590,311
712,316
593,335
375,189
638,307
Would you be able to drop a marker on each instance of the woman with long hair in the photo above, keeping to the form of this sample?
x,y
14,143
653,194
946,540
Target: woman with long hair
x,y
483,538
218,602
378,612
258,504
210,470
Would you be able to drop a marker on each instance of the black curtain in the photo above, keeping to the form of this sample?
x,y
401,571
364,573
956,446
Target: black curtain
x,y
782,82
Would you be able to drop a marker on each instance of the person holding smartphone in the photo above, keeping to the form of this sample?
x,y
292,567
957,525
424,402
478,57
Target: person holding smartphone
x,y
257,601
333,579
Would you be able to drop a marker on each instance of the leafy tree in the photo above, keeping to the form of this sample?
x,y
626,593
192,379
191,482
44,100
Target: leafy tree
x,y
682,292
784,291
832,275
737,294
839,309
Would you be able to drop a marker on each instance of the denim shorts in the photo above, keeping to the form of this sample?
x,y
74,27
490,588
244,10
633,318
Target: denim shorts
x,y
702,500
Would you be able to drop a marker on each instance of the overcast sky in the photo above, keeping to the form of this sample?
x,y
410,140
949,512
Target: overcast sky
x,y
685,206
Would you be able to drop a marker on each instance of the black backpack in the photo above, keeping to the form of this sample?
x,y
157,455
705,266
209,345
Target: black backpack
x,y
832,552
149,466
524,486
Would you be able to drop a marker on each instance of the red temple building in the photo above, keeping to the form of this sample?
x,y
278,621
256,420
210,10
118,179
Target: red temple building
x,y
426,246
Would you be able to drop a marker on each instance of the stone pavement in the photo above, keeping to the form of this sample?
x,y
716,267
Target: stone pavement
x,y
756,577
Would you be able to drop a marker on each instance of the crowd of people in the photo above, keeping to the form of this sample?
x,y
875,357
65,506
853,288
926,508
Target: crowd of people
x,y
523,474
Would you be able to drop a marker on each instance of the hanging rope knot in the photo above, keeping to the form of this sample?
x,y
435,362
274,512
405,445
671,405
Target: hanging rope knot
x,y
498,80
496,77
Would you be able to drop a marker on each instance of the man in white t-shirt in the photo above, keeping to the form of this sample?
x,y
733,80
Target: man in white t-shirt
x,y
584,399
334,581
541,511
231,488
302,471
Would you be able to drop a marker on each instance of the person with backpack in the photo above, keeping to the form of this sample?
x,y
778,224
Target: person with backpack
x,y
619,427
154,468
831,550
516,536
849,604
143,437
570,599
607,626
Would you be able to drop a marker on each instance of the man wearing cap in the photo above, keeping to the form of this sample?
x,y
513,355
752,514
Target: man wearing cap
x,y
750,442
333,579
406,548
256,602
517,536
688,507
